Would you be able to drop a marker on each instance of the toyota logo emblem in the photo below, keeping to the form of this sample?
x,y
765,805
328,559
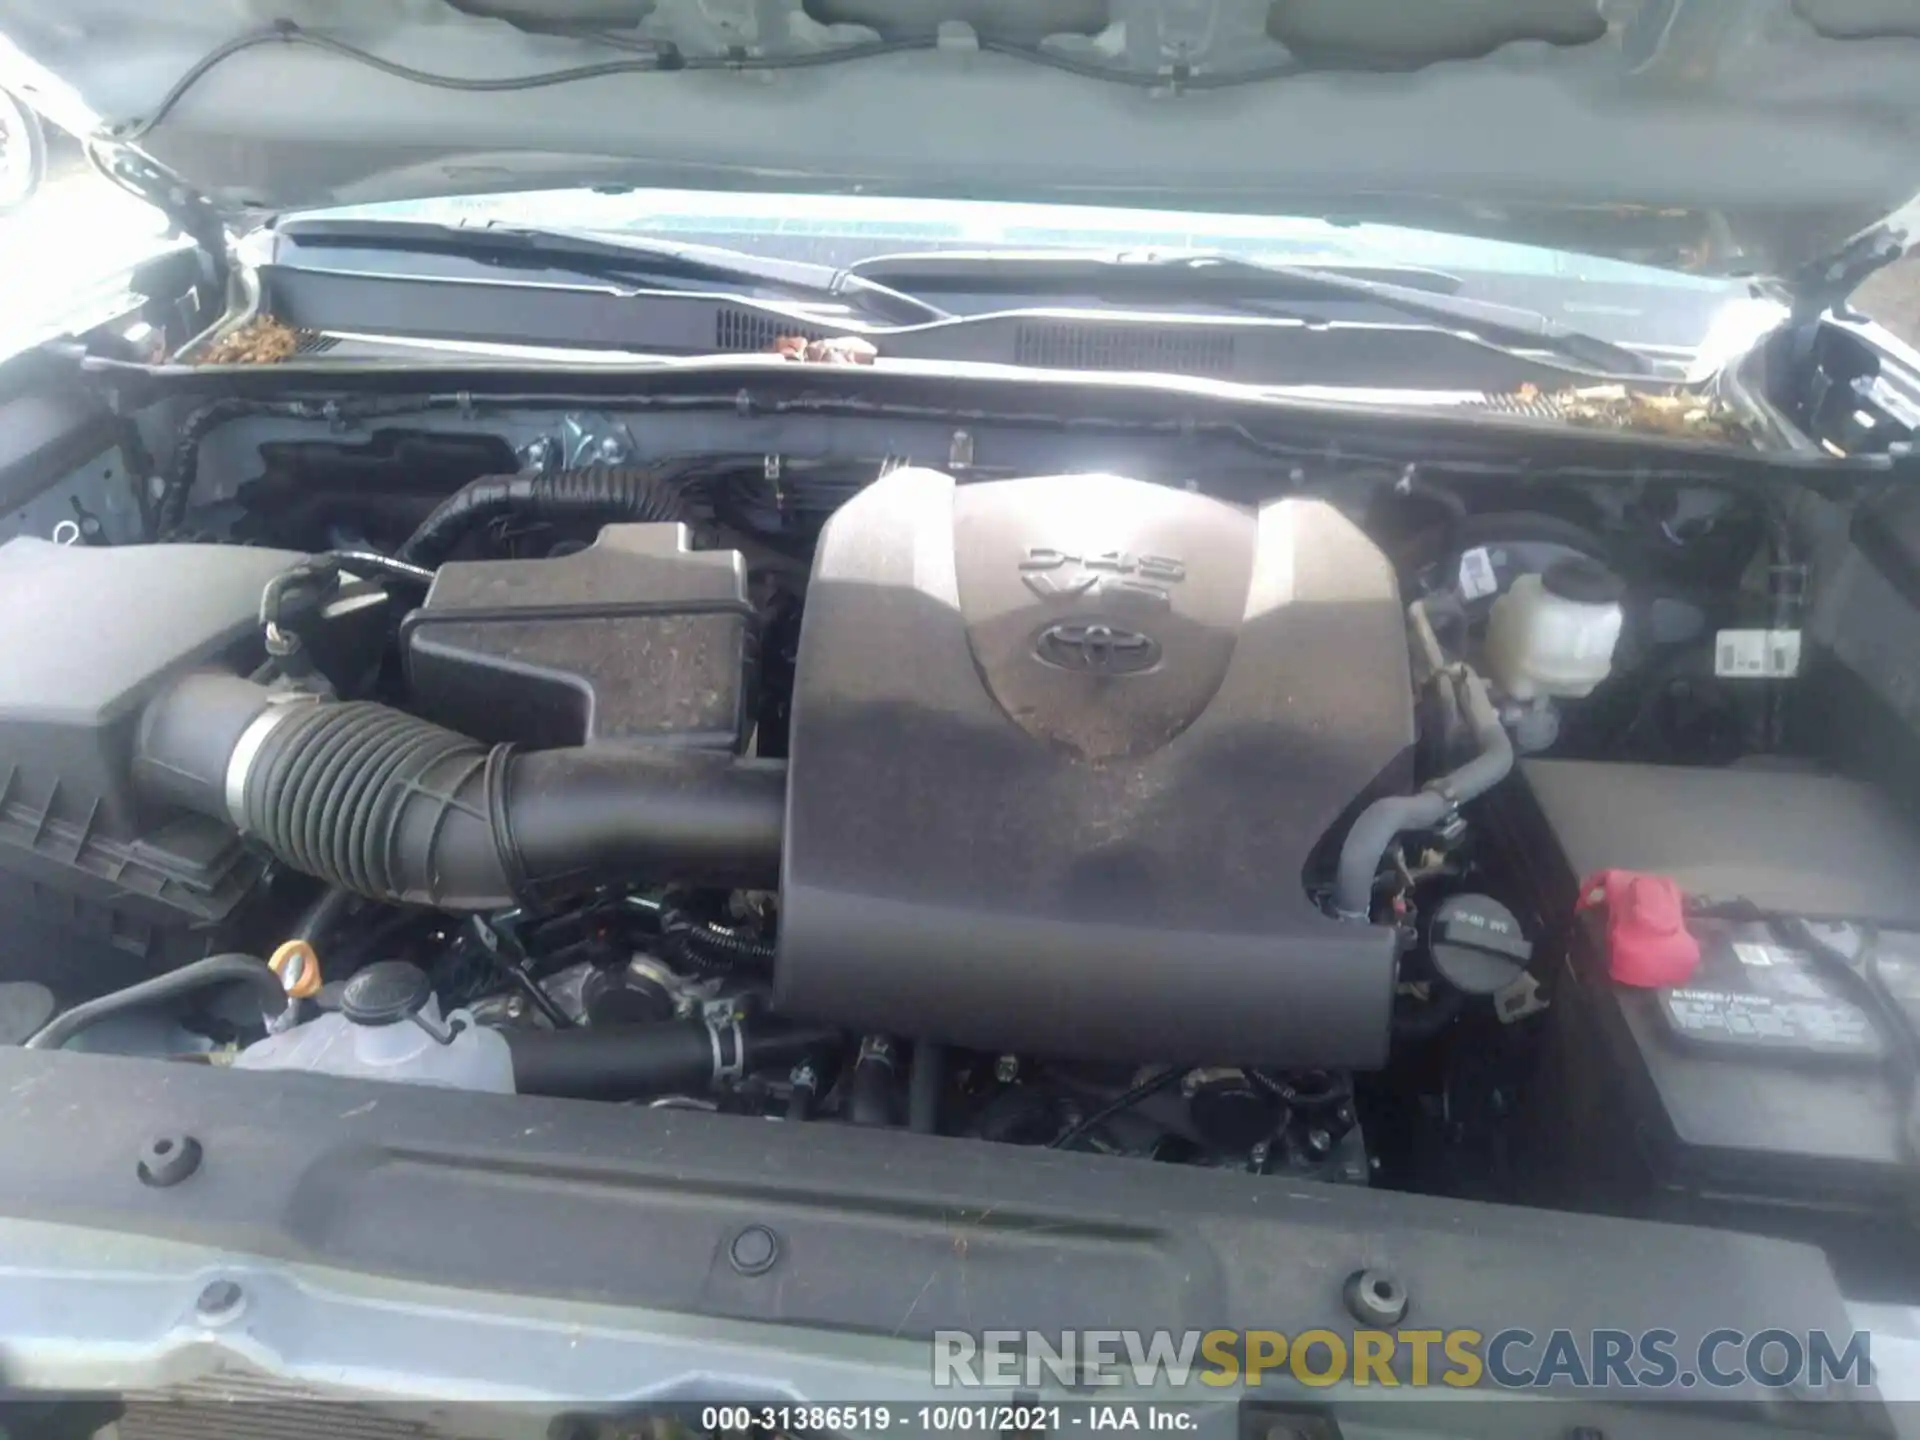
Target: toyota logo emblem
x,y
1094,648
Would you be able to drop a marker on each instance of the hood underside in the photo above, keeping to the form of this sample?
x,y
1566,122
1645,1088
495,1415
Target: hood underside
x,y
1778,138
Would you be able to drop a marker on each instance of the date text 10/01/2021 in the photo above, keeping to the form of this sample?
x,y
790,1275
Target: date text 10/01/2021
x,y
985,1419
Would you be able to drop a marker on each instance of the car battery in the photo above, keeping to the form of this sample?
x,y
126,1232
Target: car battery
x,y
1770,1089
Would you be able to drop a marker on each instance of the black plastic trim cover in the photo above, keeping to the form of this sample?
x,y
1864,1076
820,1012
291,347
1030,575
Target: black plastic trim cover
x,y
1276,351
880,1231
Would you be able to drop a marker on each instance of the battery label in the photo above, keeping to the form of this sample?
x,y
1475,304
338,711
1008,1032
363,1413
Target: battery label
x,y
1788,974
1753,996
1477,577
1761,1022
1757,654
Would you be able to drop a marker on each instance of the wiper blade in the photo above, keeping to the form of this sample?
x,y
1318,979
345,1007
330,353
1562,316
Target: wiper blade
x,y
1233,281
618,259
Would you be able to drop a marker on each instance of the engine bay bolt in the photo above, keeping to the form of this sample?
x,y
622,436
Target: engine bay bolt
x,y
1007,1069
1319,1142
168,1159
1375,1298
754,1250
537,454
220,1301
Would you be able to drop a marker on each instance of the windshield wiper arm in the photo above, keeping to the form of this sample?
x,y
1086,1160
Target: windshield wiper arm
x,y
1232,280
618,259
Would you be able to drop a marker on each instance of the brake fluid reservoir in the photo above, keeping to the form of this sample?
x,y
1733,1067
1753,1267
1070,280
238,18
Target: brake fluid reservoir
x,y
1553,633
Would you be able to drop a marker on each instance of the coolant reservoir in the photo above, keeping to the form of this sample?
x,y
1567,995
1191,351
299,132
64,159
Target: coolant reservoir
x,y
1553,633
389,1028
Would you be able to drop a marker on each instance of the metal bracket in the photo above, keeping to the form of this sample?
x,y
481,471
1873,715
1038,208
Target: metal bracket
x,y
1178,38
729,1044
583,439
748,28
1823,284
192,214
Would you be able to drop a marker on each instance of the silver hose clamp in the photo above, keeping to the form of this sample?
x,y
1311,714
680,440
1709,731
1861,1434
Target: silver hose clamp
x,y
729,1045
247,749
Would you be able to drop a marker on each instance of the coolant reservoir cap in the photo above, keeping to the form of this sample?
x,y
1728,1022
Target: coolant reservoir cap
x,y
1583,581
385,993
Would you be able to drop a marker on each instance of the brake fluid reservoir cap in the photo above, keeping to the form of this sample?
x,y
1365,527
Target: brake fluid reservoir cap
x,y
385,993
1583,581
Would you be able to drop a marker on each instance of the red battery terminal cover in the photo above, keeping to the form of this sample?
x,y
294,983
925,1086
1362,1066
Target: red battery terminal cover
x,y
1648,944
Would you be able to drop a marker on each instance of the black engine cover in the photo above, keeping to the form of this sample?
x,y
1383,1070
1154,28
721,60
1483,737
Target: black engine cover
x,y
1062,750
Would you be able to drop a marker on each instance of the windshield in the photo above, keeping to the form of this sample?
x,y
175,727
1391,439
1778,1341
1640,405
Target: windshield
x,y
1627,303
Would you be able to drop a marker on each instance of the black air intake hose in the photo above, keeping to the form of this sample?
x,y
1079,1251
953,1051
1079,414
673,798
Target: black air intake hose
x,y
600,495
672,1055
398,809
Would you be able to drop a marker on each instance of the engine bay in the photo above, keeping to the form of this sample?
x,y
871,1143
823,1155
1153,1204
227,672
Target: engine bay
x,y
1540,840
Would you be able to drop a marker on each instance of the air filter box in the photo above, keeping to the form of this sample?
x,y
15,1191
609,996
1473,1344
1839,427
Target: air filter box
x,y
91,635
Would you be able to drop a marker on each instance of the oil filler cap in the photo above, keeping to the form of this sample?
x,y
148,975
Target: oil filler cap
x,y
1477,945
385,993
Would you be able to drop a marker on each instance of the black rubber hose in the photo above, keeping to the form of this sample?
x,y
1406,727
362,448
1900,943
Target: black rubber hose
x,y
805,1091
200,975
398,809
701,946
1124,1101
870,1093
601,494
926,1083
1383,821
675,1055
